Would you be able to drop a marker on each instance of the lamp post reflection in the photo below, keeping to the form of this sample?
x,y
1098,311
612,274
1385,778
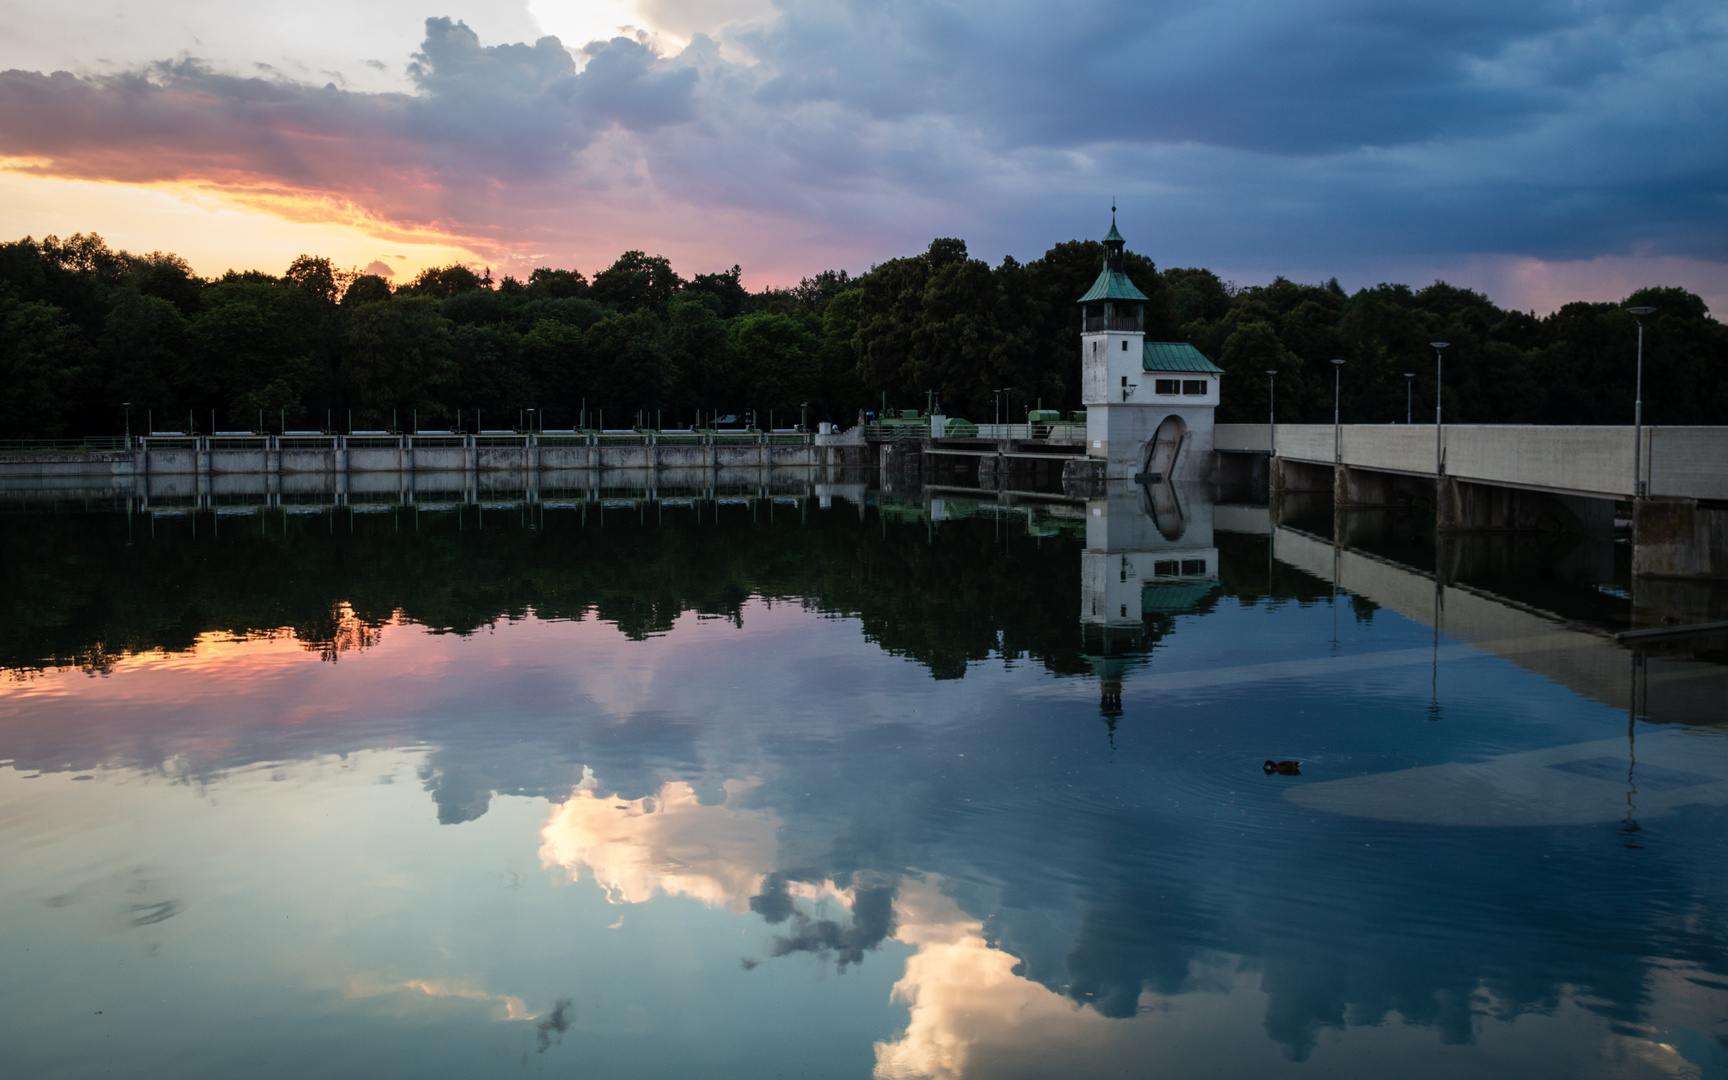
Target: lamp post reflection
x,y
1629,827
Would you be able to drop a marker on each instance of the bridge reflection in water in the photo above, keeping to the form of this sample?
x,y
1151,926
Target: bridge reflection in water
x,y
1151,557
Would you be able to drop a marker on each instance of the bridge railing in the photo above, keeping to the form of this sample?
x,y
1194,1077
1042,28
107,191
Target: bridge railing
x,y
93,445
1597,460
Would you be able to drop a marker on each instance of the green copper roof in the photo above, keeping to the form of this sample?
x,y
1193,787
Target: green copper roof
x,y
1174,599
1111,285
1114,235
1175,356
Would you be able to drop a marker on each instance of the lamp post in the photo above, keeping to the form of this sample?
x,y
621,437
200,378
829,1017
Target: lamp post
x,y
1272,412
1409,377
1000,390
1439,361
1638,408
1337,429
127,405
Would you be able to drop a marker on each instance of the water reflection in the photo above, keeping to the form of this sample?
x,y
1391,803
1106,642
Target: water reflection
x,y
631,784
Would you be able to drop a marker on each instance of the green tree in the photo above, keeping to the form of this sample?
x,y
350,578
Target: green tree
x,y
548,284
493,376
315,276
556,357
167,277
396,357
141,355
252,353
635,282
700,348
41,354
629,367
777,365
730,296
842,393
365,289
443,282
1248,353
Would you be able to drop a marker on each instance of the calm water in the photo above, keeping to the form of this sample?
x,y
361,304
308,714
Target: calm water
x,y
843,786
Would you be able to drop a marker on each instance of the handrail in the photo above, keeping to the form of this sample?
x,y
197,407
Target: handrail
x,y
92,444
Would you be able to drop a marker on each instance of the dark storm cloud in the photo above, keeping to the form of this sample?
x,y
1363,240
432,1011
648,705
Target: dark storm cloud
x,y
1259,76
1237,133
552,1028
872,922
623,81
1558,129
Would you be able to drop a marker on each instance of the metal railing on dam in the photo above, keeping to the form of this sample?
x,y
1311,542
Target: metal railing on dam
x,y
1592,461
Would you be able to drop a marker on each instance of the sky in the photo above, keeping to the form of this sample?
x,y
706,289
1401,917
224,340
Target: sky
x,y
1541,152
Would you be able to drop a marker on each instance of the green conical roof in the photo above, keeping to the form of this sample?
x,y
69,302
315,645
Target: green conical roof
x,y
1113,235
1111,285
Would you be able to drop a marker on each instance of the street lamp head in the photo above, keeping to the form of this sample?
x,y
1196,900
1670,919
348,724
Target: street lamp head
x,y
1440,344
1271,371
1340,363
1409,374
1642,310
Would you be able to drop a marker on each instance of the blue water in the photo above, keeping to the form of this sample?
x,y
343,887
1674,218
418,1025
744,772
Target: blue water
x,y
842,790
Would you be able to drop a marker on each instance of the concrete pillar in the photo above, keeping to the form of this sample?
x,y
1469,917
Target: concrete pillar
x,y
1467,507
1680,538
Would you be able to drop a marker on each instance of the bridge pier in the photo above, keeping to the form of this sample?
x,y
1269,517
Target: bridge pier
x,y
1683,538
1286,476
1356,487
1461,506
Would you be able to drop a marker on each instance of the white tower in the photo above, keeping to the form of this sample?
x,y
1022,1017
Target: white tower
x,y
1149,405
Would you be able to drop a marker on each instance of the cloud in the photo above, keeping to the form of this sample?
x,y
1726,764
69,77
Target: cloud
x,y
872,922
663,843
554,1025
1338,134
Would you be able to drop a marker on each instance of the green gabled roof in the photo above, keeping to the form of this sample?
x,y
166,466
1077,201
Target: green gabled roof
x,y
1114,235
1111,285
1174,599
1175,356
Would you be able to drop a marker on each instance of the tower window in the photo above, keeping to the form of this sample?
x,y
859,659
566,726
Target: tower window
x,y
1166,386
1124,382
1124,346
1194,386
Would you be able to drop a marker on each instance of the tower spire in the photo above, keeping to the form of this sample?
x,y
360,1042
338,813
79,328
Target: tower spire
x,y
1113,243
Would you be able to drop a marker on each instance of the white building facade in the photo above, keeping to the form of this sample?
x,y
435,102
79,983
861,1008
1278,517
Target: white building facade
x,y
1149,404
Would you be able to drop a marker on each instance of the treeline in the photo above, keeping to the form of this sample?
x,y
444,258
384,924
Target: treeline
x,y
85,328
85,592
946,599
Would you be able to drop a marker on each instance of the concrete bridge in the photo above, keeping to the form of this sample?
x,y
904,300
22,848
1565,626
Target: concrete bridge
x,y
1509,477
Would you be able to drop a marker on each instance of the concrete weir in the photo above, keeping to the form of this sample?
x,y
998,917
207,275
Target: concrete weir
x,y
1511,478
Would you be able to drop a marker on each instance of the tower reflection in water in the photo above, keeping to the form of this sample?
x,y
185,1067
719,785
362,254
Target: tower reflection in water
x,y
1149,557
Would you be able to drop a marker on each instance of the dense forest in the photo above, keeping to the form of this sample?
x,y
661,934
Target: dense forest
x,y
85,329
